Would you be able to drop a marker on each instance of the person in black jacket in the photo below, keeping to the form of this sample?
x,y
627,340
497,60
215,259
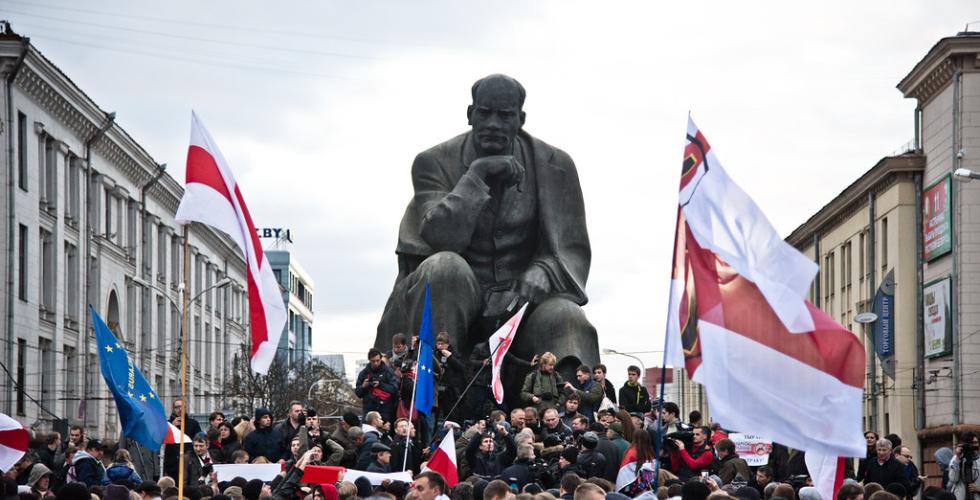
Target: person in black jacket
x,y
171,452
519,473
883,468
485,460
633,397
225,443
599,372
377,387
402,440
264,441
450,374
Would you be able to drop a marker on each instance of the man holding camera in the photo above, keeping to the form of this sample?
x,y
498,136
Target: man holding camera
x,y
543,387
449,373
689,460
377,387
554,426
483,456
964,471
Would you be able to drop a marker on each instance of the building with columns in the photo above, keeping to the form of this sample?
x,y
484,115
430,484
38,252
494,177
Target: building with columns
x,y
88,218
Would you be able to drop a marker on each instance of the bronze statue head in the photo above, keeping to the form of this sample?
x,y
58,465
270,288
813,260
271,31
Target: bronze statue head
x,y
496,114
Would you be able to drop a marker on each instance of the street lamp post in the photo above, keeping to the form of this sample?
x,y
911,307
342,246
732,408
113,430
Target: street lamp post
x,y
628,355
309,393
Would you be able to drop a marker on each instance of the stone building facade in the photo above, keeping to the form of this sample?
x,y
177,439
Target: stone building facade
x,y
88,218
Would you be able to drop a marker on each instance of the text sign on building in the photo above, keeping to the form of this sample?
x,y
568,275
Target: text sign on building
x,y
937,227
938,329
274,232
884,327
753,449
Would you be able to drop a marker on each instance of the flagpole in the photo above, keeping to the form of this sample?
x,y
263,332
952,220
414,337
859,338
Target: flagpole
x,y
183,366
472,380
411,408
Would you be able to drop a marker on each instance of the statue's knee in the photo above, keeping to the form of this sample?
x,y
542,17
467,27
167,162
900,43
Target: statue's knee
x,y
560,315
443,267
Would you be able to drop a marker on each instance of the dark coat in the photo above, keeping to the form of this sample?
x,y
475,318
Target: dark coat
x,y
519,473
265,442
732,466
634,399
892,471
489,465
387,382
609,390
613,458
171,452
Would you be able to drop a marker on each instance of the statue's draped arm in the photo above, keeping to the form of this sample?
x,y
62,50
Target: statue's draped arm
x,y
449,208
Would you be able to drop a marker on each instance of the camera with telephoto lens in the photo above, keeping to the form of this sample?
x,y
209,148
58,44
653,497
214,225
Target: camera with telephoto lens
x,y
686,436
547,396
798,481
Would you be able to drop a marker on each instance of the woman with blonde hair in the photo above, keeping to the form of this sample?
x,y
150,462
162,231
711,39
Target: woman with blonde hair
x,y
543,387
122,471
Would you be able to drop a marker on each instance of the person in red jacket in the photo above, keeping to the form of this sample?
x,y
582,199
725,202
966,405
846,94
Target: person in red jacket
x,y
690,461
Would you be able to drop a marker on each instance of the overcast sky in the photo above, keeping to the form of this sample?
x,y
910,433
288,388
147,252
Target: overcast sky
x,y
320,107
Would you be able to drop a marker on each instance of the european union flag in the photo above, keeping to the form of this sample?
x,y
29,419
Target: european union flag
x,y
425,383
140,410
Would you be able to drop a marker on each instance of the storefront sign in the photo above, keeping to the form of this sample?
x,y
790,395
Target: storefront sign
x,y
938,328
937,222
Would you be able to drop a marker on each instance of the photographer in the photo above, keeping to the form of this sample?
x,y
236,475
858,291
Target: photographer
x,y
554,426
542,387
449,373
964,471
485,459
520,472
377,387
689,460
572,402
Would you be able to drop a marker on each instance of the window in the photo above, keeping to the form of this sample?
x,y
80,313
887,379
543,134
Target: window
x,y
47,372
207,349
71,282
146,316
162,253
22,150
48,272
130,241
109,222
195,344
161,328
147,247
162,345
884,245
862,255
72,191
21,376
175,271
22,263
208,281
71,376
49,178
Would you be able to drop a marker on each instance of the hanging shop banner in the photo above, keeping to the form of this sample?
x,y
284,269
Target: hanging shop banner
x,y
884,328
937,220
938,328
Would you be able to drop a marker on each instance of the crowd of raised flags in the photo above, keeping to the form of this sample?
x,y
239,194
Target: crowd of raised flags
x,y
771,363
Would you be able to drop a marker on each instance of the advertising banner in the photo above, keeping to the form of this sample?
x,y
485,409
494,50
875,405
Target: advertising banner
x,y
884,327
937,221
938,327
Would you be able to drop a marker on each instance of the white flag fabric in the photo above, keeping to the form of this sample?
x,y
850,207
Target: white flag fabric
x,y
211,196
13,442
771,363
499,343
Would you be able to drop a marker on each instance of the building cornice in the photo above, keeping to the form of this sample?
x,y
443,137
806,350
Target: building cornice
x,y
931,74
60,97
883,175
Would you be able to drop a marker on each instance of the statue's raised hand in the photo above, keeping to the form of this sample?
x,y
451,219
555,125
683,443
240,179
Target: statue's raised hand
x,y
505,169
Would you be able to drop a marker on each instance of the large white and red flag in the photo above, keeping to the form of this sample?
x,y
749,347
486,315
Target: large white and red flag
x,y
499,343
771,362
443,460
212,197
13,442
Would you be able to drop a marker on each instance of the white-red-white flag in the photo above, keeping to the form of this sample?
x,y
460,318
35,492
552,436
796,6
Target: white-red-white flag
x,y
13,442
174,436
212,197
499,343
771,362
443,460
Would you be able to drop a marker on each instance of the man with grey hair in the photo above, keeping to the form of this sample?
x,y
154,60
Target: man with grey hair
x,y
883,468
355,436
520,472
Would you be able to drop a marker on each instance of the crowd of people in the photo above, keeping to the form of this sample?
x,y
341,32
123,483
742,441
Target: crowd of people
x,y
577,439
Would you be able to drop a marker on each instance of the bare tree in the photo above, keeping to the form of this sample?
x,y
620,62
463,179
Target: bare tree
x,y
285,382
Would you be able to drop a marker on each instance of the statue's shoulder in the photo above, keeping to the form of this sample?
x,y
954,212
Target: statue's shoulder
x,y
546,152
444,150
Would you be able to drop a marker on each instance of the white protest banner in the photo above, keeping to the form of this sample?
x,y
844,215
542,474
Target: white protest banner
x,y
751,448
265,472
377,478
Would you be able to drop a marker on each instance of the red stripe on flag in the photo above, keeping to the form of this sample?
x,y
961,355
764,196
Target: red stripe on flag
x,y
839,475
256,245
727,299
256,309
14,438
202,169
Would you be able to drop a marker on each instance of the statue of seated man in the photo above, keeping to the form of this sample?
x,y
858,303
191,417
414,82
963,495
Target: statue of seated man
x,y
497,220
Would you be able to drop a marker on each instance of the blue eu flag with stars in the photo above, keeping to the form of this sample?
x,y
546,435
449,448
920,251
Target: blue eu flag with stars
x,y
425,383
140,410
